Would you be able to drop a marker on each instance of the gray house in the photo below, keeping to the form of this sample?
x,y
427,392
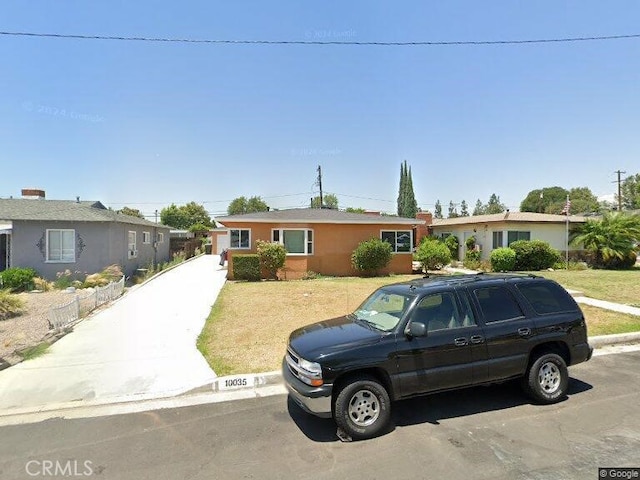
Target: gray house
x,y
51,236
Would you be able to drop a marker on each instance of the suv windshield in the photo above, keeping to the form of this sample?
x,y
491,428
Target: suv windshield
x,y
383,310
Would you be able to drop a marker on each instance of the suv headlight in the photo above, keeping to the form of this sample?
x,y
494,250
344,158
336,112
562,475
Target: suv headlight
x,y
308,372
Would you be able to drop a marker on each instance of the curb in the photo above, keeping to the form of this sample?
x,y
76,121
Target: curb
x,y
615,339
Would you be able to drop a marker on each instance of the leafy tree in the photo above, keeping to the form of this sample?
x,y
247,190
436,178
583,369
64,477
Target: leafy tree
x,y
453,213
371,256
355,210
452,244
433,254
630,190
241,205
583,201
613,241
329,200
479,209
438,210
407,204
464,209
185,216
545,200
494,205
132,212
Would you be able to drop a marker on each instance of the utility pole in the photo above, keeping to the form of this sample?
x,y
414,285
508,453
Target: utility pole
x,y
320,185
619,172
156,213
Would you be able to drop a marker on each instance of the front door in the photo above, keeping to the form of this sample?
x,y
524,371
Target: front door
x,y
5,251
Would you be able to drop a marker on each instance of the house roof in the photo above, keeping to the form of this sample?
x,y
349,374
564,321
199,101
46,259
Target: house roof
x,y
318,215
530,217
64,210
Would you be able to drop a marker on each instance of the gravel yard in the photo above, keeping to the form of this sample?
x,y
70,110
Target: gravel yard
x,y
29,328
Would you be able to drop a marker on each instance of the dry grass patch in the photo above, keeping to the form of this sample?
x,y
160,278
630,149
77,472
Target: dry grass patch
x,y
621,286
248,328
607,322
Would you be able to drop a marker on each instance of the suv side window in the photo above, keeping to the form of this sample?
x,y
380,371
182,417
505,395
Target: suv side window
x,y
547,297
438,311
497,304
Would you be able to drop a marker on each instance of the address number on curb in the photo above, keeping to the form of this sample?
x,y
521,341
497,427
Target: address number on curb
x,y
231,383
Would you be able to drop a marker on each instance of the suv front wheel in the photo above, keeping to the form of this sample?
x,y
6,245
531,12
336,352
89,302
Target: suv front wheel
x,y
547,379
362,408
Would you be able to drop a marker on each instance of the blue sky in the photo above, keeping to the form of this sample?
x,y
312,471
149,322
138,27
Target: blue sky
x,y
148,124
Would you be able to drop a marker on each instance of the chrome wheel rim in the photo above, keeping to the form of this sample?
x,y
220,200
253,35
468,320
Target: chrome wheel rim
x,y
364,408
549,377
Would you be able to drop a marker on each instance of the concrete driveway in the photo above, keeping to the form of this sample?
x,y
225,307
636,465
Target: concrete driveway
x,y
142,346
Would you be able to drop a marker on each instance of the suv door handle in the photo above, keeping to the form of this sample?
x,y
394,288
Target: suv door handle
x,y
460,342
524,332
476,339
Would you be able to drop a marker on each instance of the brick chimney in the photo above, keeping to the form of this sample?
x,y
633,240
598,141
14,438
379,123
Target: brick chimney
x,y
33,193
423,230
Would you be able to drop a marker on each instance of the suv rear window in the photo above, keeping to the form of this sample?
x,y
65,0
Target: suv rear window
x,y
547,297
497,304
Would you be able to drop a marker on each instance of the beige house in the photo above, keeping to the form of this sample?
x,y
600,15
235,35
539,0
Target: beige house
x,y
501,229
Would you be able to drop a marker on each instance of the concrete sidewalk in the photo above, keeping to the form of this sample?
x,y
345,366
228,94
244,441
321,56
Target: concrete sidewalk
x,y
142,346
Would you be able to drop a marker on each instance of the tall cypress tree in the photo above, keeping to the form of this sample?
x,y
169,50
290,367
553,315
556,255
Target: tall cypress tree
x,y
402,188
407,204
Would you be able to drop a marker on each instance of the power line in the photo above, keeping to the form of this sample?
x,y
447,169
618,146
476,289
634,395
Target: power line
x,y
322,42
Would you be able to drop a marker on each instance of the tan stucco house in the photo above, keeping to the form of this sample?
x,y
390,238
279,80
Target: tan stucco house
x,y
501,229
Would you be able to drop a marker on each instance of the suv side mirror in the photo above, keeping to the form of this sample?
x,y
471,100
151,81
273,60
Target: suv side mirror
x,y
417,329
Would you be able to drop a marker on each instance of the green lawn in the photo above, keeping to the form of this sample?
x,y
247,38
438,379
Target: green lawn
x,y
621,286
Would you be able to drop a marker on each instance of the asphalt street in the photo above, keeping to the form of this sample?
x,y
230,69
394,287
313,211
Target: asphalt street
x,y
480,433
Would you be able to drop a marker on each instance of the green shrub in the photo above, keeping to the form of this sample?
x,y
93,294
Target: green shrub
x,y
470,243
627,262
10,304
18,279
452,244
371,256
433,255
272,257
534,255
503,259
246,267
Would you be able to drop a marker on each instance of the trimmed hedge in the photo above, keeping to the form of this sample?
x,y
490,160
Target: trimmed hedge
x,y
534,255
246,267
433,254
371,256
503,259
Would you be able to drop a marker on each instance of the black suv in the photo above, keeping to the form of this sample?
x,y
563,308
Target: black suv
x,y
431,335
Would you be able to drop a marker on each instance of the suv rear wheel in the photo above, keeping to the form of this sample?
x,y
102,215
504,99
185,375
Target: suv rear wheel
x,y
547,379
362,408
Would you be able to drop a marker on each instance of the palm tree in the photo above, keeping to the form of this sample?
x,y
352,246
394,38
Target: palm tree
x,y
613,241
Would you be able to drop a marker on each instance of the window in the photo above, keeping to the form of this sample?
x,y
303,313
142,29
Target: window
x,y
513,236
160,238
295,241
401,241
438,312
132,248
498,239
497,304
61,246
240,238
547,297
146,237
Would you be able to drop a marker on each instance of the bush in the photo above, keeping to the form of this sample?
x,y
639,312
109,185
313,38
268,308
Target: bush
x,y
68,279
627,262
10,305
272,257
18,279
503,259
246,267
42,284
452,244
534,255
433,255
371,256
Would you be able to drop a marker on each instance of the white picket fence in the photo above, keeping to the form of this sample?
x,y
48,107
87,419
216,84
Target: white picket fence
x,y
81,305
